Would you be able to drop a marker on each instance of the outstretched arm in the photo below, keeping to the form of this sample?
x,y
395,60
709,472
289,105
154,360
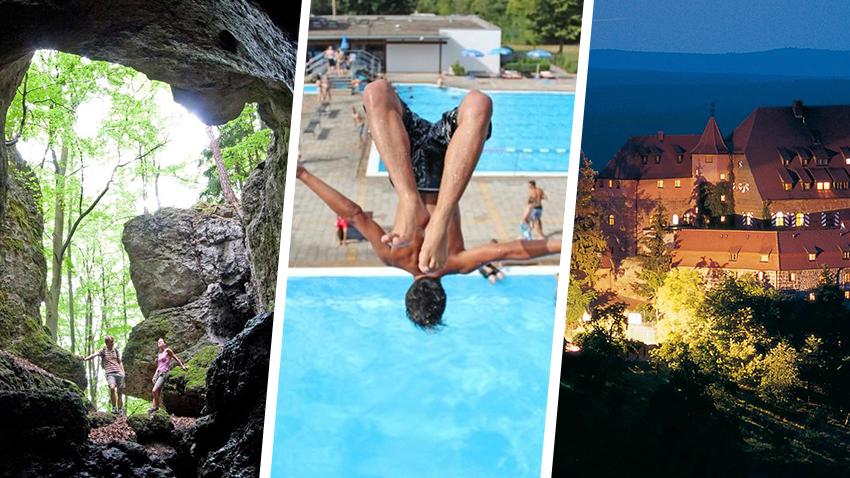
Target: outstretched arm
x,y
175,357
346,208
468,261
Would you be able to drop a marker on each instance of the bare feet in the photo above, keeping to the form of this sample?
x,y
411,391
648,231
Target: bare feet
x,y
408,218
435,246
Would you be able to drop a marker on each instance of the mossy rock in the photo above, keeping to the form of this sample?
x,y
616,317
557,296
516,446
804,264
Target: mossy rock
x,y
151,428
101,419
42,409
185,390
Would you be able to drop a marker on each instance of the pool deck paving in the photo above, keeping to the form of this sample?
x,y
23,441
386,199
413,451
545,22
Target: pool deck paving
x,y
491,208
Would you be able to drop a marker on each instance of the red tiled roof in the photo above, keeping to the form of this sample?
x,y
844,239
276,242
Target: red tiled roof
x,y
637,158
713,248
769,134
828,245
788,250
711,141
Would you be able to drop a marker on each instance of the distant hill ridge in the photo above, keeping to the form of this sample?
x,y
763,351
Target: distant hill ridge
x,y
785,62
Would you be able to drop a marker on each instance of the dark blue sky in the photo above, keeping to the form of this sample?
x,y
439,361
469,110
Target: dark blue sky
x,y
720,26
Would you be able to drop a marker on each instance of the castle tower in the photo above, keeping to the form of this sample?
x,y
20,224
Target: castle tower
x,y
710,155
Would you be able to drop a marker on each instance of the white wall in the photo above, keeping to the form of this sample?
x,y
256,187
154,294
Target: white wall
x,y
412,58
481,40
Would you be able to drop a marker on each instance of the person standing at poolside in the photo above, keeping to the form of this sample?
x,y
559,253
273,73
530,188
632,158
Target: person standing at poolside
x,y
534,209
163,362
360,124
110,361
429,166
330,57
341,230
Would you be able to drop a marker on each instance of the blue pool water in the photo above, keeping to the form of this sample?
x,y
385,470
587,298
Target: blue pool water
x,y
363,393
531,130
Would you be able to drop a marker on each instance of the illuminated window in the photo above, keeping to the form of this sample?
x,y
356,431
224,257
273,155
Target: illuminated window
x,y
722,218
610,183
787,186
722,176
764,257
811,296
733,256
847,294
812,256
799,219
807,185
657,159
675,220
761,275
793,276
847,160
610,219
748,219
845,255
644,159
722,198
780,219
847,277
826,185
677,183
660,183
823,185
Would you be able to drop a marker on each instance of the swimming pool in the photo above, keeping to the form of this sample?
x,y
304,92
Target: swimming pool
x,y
531,129
363,393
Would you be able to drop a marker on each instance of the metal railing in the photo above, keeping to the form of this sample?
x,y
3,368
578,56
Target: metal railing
x,y
363,61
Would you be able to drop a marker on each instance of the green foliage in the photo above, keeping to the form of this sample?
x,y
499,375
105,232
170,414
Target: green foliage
x,y
364,7
458,69
779,373
244,143
527,66
556,21
588,242
656,259
579,300
716,200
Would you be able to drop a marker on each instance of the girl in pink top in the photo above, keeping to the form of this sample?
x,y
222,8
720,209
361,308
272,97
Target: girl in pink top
x,y
163,360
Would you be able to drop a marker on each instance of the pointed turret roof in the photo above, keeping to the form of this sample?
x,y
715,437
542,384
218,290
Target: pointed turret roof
x,y
711,141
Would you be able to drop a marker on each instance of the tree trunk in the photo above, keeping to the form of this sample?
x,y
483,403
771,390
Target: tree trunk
x,y
55,290
71,324
223,177
91,364
124,294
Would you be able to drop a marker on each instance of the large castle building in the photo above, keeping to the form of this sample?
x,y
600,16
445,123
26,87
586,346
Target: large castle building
x,y
779,185
782,168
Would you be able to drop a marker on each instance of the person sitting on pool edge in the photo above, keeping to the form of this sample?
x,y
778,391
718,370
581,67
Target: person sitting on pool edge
x,y
429,165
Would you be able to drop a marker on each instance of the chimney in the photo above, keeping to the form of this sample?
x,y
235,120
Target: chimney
x,y
661,136
797,108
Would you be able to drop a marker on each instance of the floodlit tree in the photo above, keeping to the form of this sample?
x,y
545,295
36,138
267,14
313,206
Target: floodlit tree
x,y
657,258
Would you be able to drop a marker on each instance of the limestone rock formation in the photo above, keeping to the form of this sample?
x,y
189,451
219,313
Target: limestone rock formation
x,y
191,273
23,273
153,428
228,439
42,409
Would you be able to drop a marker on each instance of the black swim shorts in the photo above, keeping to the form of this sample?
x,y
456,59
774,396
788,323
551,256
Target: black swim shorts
x,y
428,144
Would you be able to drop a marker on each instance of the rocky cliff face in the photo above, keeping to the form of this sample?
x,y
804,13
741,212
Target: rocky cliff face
x,y
191,272
23,273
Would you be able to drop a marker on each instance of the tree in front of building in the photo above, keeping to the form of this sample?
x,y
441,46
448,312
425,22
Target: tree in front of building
x,y
656,259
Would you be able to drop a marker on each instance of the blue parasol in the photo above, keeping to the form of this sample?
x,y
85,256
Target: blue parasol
x,y
539,54
471,53
502,51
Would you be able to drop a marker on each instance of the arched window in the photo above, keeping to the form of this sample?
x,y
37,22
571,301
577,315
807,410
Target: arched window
x,y
780,219
610,219
799,219
675,220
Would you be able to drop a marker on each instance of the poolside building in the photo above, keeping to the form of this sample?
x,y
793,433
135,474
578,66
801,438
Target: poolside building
x,y
419,43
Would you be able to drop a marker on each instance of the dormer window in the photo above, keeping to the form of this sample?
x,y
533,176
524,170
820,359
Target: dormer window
x,y
813,256
799,219
733,256
677,183
657,159
823,185
723,176
786,186
845,255
681,157
660,184
764,257
644,159
610,183
793,277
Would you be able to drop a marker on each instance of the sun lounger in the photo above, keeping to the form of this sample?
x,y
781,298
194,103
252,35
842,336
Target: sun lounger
x,y
511,75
